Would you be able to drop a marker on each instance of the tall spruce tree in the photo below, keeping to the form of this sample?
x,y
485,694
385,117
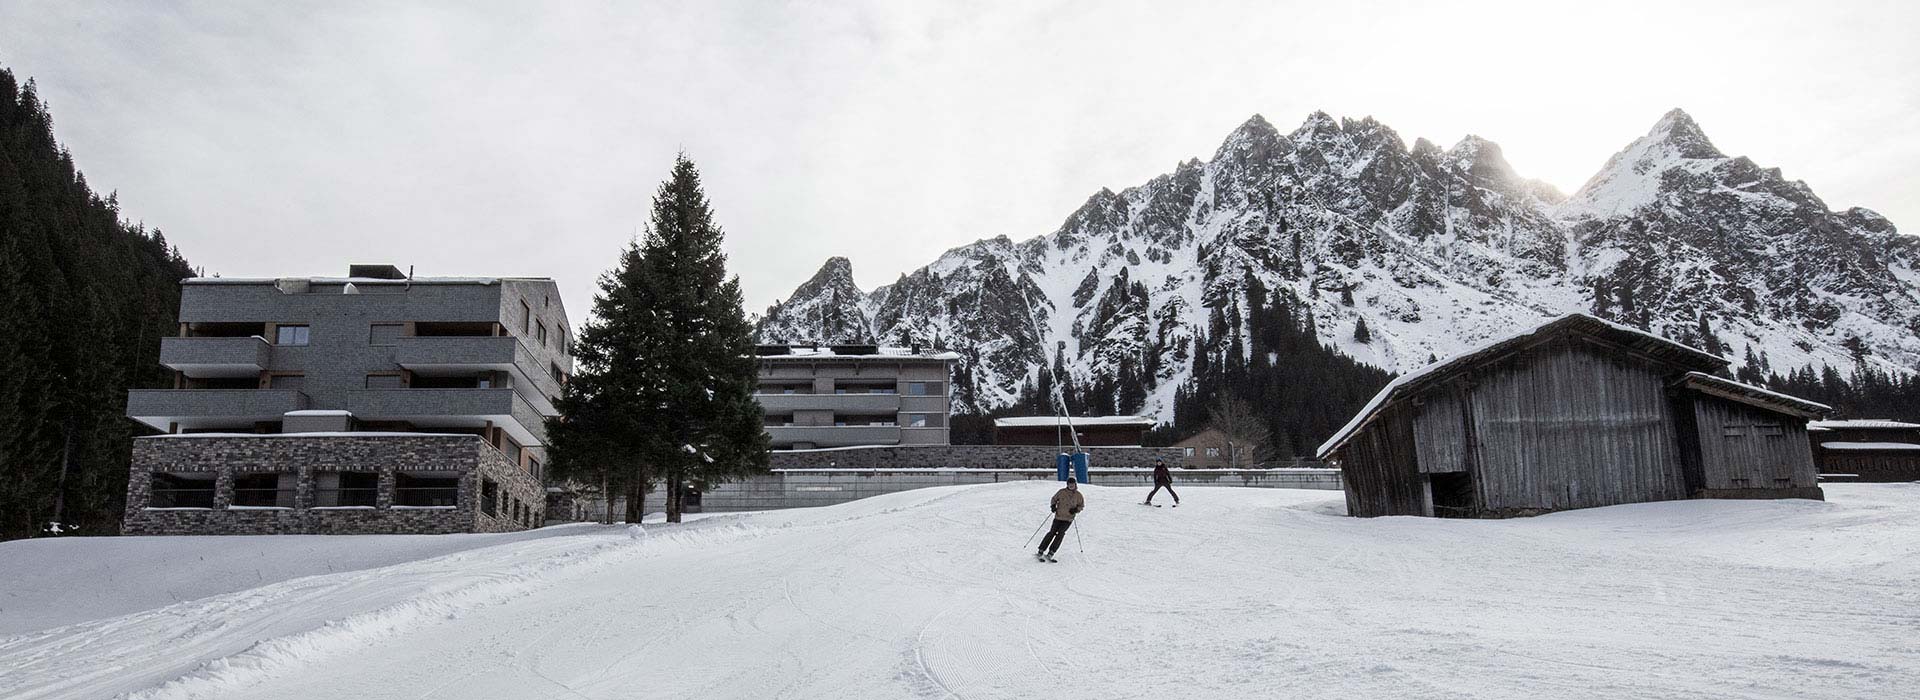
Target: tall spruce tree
x,y
669,361
85,298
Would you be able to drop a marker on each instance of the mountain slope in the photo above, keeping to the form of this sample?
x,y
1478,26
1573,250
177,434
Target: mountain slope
x,y
1432,250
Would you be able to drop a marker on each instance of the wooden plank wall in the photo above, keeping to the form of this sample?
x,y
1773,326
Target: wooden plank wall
x,y
1742,447
1565,426
1380,469
1440,436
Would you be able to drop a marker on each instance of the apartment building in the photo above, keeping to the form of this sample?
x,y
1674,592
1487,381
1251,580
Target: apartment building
x,y
848,395
375,402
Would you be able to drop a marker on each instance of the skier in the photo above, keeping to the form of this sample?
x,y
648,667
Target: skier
x,y
1066,503
1162,479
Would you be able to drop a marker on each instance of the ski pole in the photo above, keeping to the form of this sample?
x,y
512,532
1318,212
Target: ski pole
x,y
1077,542
1036,531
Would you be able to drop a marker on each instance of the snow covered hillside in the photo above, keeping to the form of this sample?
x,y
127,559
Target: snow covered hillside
x,y
1238,593
1434,249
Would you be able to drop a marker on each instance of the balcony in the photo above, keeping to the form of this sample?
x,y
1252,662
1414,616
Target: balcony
x,y
457,352
161,407
834,435
451,407
216,357
838,403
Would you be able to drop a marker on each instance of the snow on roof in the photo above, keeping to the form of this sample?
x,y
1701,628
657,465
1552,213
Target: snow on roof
x,y
883,353
357,280
1862,423
1902,446
320,412
329,433
1748,393
1078,421
1400,383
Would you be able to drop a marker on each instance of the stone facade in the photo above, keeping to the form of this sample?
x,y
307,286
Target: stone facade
x,y
519,499
964,457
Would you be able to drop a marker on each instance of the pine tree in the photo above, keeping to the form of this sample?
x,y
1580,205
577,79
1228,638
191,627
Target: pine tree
x,y
675,365
1360,332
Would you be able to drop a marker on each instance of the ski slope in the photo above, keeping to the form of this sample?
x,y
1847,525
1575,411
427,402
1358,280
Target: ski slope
x,y
1238,593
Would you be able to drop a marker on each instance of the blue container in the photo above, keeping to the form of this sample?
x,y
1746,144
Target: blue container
x,y
1080,467
1062,464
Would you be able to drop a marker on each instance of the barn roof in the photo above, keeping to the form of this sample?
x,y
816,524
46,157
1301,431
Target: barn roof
x,y
1416,380
1753,395
1862,424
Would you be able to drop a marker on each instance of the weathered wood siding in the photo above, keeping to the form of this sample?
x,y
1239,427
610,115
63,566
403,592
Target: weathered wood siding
x,y
1441,433
1870,465
1565,426
1742,447
1380,470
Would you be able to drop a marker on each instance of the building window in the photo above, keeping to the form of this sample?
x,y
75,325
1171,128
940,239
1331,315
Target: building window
x,y
489,497
290,335
540,332
1213,452
533,467
384,334
345,489
526,318
384,380
558,376
917,420
1188,451
261,491
923,388
190,490
428,490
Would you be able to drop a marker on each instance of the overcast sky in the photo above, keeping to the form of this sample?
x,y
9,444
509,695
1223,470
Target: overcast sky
x,y
508,139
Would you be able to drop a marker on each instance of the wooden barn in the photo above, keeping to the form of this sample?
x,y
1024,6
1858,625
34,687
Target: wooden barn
x,y
1576,413
1873,449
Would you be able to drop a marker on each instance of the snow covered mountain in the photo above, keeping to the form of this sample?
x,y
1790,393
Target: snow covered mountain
x,y
1433,249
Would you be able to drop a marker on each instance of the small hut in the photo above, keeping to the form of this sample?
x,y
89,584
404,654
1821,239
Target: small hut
x,y
1870,449
1576,413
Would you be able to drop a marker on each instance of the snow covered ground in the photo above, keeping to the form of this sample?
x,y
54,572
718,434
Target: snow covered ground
x,y
1239,593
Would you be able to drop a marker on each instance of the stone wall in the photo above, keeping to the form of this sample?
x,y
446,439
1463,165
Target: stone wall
x,y
303,456
964,457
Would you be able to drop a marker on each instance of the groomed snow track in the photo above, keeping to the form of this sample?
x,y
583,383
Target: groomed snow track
x,y
1237,593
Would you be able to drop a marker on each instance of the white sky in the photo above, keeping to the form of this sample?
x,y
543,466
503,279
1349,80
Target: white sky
x,y
507,139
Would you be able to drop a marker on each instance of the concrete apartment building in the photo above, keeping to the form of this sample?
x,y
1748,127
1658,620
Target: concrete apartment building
x,y
850,395
365,404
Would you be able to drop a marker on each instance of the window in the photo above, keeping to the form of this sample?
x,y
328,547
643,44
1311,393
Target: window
x,y
526,318
345,489
508,447
384,381
533,467
558,376
383,334
261,491
1213,452
1188,451
917,420
885,390
190,490
489,497
427,490
923,388
291,335
540,332
839,391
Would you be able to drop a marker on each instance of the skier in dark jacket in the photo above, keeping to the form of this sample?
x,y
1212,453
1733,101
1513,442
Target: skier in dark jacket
x,y
1162,479
1066,503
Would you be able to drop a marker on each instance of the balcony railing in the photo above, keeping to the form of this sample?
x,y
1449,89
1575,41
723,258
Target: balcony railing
x,y
494,352
838,403
258,404
835,435
216,357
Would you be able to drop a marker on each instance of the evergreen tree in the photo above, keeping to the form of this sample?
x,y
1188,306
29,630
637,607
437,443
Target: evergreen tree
x,y
678,366
86,298
1360,332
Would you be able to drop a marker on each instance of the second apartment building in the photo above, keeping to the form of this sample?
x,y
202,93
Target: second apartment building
x,y
851,395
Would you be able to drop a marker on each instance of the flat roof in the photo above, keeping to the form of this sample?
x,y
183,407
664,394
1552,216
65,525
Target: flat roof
x,y
360,280
1078,421
884,353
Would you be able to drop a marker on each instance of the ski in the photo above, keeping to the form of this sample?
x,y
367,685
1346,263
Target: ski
x,y
1150,504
